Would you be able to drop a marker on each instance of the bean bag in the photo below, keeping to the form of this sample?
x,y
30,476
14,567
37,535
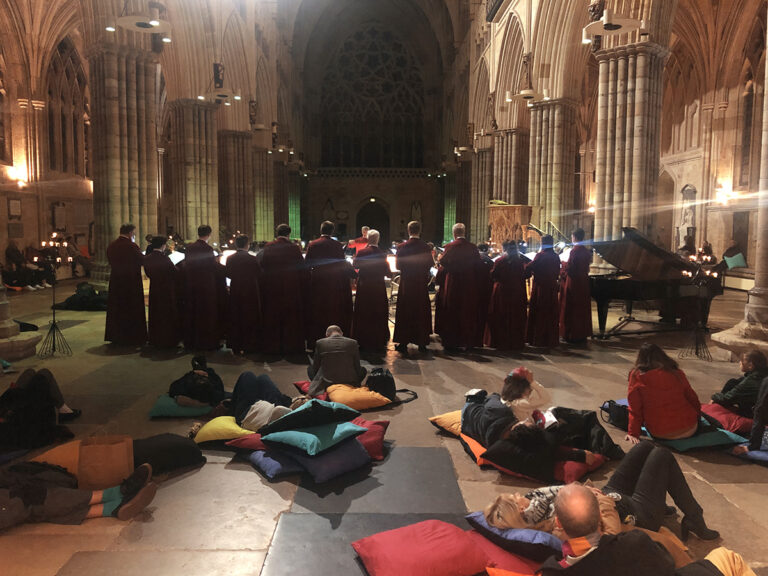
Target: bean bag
x,y
449,422
315,439
166,407
500,558
275,464
250,442
758,456
221,428
428,548
710,439
726,419
342,458
167,453
533,544
312,413
501,572
357,397
303,388
11,455
373,438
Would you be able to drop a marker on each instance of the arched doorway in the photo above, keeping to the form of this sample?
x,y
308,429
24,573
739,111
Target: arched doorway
x,y
374,215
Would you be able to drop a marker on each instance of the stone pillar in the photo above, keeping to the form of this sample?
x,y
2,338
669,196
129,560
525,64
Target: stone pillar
x,y
294,200
123,85
281,202
449,205
464,194
14,345
552,163
707,114
482,189
193,163
263,196
628,126
236,182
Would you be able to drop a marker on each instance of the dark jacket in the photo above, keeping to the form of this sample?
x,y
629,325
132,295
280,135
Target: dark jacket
x,y
760,417
630,553
744,394
486,421
208,389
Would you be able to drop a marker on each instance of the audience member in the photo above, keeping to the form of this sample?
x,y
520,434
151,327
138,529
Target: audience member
x,y
660,397
759,422
336,361
740,394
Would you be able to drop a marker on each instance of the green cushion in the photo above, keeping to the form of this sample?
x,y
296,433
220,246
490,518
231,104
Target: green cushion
x,y
315,439
313,413
166,407
717,437
736,261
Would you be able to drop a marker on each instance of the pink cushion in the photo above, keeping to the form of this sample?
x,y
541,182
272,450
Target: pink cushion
x,y
250,442
500,558
373,439
569,471
728,419
429,548
303,387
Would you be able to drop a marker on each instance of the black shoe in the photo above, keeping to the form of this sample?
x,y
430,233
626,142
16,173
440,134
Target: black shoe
x,y
422,349
69,416
402,348
698,528
136,503
136,481
670,511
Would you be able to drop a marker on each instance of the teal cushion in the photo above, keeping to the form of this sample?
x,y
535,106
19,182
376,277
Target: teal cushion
x,y
314,440
166,407
313,413
716,437
736,261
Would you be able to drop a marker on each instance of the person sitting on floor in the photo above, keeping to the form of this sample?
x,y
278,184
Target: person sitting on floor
x,y
740,394
31,410
24,498
637,491
759,422
336,361
660,397
589,552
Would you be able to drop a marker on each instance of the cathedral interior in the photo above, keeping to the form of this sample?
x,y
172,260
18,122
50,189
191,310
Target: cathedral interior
x,y
244,114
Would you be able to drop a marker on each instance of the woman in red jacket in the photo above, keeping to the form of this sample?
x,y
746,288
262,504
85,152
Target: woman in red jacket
x,y
660,397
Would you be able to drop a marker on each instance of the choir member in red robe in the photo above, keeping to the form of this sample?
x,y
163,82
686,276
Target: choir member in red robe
x,y
164,324
283,278
576,295
509,302
330,288
413,318
204,288
126,322
456,311
543,311
244,329
485,288
370,324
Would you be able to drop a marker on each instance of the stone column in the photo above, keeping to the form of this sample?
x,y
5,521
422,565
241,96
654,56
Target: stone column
x,y
449,205
707,115
263,196
14,345
482,189
123,85
281,202
236,181
629,104
552,163
464,194
294,200
193,163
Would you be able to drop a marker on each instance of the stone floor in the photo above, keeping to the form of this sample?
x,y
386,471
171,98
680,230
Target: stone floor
x,y
222,518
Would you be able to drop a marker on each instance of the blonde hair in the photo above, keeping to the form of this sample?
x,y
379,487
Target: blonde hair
x,y
503,513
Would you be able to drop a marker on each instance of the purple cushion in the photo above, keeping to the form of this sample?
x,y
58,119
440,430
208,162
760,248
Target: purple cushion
x,y
274,463
342,458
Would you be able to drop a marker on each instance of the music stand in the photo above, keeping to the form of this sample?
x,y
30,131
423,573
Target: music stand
x,y
54,341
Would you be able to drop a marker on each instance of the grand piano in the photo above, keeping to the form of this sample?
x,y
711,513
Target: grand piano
x,y
681,289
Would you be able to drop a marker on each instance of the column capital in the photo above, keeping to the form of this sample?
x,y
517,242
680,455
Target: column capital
x,y
25,103
632,49
192,103
555,102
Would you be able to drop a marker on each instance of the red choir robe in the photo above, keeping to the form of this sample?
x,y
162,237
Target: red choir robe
x,y
413,317
370,324
282,290
244,328
508,307
576,296
164,324
204,295
330,289
126,322
456,308
484,287
543,311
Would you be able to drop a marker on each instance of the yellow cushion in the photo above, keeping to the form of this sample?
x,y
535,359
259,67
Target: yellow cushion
x,y
359,398
449,422
221,428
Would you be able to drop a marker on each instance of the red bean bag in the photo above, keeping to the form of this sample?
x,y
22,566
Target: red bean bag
x,y
727,419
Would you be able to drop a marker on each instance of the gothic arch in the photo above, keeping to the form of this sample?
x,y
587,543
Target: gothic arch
x,y
510,114
482,110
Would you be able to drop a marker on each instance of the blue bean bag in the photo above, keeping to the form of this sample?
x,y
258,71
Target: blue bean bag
x,y
758,456
533,544
274,464
345,457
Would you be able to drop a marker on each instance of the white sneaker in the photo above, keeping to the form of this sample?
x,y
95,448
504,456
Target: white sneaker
x,y
29,288
46,285
38,287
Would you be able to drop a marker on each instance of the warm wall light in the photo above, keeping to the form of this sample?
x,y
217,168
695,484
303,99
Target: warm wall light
x,y
724,192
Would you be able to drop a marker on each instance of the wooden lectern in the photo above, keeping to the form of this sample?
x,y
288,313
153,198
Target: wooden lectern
x,y
508,222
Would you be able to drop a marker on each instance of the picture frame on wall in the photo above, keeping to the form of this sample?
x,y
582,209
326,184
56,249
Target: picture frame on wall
x,y
14,209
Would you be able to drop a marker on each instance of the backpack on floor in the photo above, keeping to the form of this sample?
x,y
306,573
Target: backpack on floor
x,y
380,380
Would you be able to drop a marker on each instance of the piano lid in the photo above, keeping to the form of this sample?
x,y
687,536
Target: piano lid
x,y
638,256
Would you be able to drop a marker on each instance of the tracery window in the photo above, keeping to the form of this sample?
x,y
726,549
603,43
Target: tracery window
x,y
68,132
372,104
5,121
